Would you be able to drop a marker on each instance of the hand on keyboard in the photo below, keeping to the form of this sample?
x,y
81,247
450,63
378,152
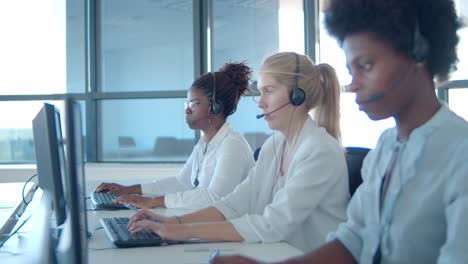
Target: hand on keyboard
x,y
115,188
140,201
146,214
131,207
164,230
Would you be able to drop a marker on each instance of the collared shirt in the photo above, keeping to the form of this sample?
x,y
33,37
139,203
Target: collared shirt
x,y
299,207
425,210
218,165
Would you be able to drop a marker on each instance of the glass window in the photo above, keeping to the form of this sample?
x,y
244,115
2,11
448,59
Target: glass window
x,y
16,137
145,45
144,130
458,97
76,70
457,101
33,47
253,30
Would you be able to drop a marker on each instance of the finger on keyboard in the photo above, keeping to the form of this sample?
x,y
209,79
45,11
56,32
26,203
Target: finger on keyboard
x,y
131,207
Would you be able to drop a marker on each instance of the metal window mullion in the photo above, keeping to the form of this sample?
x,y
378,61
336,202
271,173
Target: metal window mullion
x,y
139,95
41,97
202,22
443,90
91,12
311,28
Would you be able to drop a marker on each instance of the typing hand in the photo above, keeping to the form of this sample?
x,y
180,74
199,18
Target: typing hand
x,y
136,200
165,231
131,207
148,215
235,259
111,188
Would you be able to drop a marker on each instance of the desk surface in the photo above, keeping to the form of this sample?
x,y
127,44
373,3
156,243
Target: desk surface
x,y
101,250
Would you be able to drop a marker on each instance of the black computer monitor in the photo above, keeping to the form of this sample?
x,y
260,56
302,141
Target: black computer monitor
x,y
50,160
74,245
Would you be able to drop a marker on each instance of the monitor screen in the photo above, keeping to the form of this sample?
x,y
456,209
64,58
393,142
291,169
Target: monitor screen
x,y
77,252
50,160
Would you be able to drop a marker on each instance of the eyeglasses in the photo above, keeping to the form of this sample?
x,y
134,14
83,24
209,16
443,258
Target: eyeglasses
x,y
191,104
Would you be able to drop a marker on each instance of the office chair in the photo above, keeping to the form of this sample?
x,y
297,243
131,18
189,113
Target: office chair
x,y
256,153
125,141
354,158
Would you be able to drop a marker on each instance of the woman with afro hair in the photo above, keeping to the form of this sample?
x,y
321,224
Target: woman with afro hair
x,y
413,204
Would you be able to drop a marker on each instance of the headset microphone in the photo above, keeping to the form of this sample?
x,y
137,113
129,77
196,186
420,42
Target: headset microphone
x,y
380,95
191,122
265,114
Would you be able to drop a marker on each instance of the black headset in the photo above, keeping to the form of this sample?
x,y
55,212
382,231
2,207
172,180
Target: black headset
x,y
297,95
215,107
420,50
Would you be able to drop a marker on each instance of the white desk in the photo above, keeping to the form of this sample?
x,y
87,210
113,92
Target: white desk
x,y
11,202
101,250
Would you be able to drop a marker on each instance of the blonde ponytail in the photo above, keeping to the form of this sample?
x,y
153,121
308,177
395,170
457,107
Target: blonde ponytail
x,y
327,112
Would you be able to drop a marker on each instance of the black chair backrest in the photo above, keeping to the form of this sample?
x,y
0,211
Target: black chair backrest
x,y
256,153
354,158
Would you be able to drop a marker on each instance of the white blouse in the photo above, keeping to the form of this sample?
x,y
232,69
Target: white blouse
x,y
219,166
301,210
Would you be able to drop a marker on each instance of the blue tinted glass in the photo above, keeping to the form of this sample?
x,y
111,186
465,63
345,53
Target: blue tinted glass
x,y
145,45
144,130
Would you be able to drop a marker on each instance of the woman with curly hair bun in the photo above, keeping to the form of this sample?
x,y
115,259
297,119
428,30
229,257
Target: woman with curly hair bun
x,y
220,160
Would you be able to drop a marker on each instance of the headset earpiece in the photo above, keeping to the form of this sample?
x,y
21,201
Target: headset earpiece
x,y
297,95
215,107
420,49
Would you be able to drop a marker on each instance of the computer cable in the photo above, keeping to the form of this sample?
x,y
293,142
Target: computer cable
x,y
24,187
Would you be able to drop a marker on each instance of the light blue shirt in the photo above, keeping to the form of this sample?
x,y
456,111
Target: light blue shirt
x,y
425,212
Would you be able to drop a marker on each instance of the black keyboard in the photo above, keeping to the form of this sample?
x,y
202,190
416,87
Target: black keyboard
x,y
104,201
116,230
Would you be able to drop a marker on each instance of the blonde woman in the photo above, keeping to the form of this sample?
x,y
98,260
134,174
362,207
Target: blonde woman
x,y
298,190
